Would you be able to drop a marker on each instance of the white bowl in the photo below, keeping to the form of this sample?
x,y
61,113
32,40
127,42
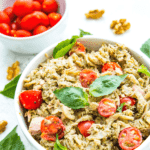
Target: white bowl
x,y
92,44
35,44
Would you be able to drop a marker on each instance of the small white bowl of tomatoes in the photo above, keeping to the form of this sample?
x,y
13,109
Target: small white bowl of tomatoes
x,y
29,26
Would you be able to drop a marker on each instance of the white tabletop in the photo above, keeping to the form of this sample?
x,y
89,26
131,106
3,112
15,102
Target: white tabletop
x,y
137,12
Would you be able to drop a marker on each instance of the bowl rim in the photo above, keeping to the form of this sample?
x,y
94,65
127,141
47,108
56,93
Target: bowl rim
x,y
35,61
41,34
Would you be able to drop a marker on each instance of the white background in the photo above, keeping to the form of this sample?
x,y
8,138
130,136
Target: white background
x,y
137,12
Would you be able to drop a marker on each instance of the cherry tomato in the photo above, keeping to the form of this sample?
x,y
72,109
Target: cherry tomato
x,y
127,100
39,29
31,99
18,22
49,6
29,22
107,107
44,18
78,47
13,26
4,28
130,138
87,76
22,7
36,6
12,32
51,126
40,1
54,18
84,126
9,12
110,66
4,18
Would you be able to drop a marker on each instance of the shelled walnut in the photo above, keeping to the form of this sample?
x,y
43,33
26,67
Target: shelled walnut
x,y
119,27
3,125
95,14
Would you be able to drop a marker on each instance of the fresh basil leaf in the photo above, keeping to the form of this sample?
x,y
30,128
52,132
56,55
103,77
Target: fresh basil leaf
x,y
105,85
82,33
146,48
12,142
120,107
73,97
58,146
144,70
10,88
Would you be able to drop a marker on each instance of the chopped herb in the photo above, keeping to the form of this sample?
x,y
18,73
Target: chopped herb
x,y
144,70
82,33
121,107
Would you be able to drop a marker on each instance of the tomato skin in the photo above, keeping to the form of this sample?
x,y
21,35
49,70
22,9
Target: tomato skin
x,y
13,26
84,126
12,32
31,99
22,7
36,6
87,76
49,6
54,18
9,12
40,1
106,110
130,100
44,18
110,66
4,18
78,47
4,28
39,29
18,22
51,126
127,137
29,22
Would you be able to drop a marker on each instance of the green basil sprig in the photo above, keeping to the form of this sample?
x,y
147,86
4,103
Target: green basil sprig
x,y
120,107
146,48
58,146
73,97
63,47
12,142
105,85
144,70
10,88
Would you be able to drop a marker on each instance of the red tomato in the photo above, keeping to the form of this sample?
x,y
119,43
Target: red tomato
x,y
130,138
29,22
127,100
31,99
107,107
87,76
9,12
84,126
49,6
13,26
78,47
18,22
12,32
44,18
22,33
51,126
54,18
4,28
22,7
39,29
4,18
36,6
110,66
40,1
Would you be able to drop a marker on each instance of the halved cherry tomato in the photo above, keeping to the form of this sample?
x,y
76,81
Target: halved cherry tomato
x,y
130,138
54,18
51,126
12,32
36,6
29,22
4,28
4,18
31,99
40,1
127,100
39,29
110,66
44,18
77,47
107,107
49,6
13,26
87,76
84,126
9,12
22,7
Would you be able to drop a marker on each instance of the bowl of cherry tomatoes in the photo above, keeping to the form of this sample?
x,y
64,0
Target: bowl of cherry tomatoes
x,y
29,26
